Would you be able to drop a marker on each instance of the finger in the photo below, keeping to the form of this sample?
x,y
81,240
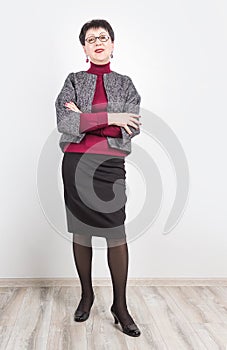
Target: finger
x,y
136,121
74,106
77,110
135,115
128,130
70,104
67,104
134,125
72,109
69,107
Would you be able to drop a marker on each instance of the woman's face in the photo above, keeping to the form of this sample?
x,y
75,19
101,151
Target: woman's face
x,y
107,46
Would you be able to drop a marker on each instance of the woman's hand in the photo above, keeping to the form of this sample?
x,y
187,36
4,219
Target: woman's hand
x,y
71,105
124,119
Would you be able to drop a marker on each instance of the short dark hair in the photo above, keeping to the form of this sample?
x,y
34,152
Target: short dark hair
x,y
95,23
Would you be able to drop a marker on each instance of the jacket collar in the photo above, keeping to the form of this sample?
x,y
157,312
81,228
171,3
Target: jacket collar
x,y
88,83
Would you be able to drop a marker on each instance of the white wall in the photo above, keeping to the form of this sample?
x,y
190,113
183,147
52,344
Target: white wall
x,y
175,52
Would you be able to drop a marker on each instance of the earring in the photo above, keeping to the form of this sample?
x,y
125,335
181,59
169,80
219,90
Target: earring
x,y
87,60
111,55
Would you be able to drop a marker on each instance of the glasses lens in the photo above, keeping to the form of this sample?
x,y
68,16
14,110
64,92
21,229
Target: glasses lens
x,y
91,39
103,37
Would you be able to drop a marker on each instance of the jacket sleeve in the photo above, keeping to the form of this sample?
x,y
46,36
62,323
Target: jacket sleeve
x,y
93,121
132,105
68,121
75,123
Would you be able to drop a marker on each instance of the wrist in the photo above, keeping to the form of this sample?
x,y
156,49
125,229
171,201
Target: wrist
x,y
110,118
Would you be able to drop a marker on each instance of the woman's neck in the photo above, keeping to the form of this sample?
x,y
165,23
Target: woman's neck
x,y
99,68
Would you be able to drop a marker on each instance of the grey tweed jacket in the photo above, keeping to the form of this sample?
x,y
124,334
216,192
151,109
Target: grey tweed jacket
x,y
79,87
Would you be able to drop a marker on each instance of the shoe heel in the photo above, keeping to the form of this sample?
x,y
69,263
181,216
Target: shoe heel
x,y
115,318
130,329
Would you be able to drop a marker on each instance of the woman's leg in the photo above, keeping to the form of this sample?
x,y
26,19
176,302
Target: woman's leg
x,y
82,250
118,264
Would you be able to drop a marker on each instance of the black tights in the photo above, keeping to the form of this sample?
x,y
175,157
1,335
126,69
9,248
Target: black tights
x,y
118,264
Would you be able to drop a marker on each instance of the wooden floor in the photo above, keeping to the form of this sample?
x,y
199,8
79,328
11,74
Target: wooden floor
x,y
175,317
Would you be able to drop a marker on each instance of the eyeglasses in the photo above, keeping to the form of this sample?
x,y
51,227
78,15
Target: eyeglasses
x,y
92,39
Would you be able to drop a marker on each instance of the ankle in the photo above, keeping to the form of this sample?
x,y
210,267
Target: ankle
x,y
119,306
87,295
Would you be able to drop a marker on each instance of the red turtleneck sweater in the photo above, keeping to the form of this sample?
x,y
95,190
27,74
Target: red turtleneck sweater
x,y
88,121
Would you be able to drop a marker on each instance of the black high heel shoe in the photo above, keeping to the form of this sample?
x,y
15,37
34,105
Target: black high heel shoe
x,y
130,329
81,316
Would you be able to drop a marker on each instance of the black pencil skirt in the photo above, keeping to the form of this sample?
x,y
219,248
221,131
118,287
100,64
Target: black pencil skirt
x,y
95,194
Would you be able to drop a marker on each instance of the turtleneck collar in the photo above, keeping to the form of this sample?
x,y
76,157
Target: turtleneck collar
x,y
99,68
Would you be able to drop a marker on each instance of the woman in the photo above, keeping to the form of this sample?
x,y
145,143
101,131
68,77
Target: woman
x,y
97,114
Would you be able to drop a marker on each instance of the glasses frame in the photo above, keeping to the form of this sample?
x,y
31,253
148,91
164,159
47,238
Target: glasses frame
x,y
97,37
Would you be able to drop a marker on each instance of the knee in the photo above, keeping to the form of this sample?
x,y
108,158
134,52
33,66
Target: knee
x,y
114,242
82,239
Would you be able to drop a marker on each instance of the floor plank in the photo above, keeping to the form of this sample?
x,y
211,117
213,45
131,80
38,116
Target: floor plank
x,y
169,317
